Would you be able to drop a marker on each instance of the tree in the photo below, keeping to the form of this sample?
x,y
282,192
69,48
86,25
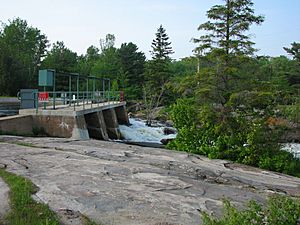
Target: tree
x,y
108,42
21,50
161,47
87,61
294,51
227,43
227,26
294,78
158,69
132,63
60,58
158,72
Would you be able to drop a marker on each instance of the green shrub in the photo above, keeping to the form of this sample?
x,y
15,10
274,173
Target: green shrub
x,y
220,132
279,210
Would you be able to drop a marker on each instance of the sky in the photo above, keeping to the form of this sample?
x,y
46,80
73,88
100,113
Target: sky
x,y
81,23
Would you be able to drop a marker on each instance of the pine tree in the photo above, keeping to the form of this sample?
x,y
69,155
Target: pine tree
x,y
226,43
227,27
158,72
158,69
161,47
294,51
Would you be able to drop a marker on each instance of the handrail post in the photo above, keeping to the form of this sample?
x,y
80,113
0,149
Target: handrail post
x,y
77,85
70,89
36,94
109,91
54,94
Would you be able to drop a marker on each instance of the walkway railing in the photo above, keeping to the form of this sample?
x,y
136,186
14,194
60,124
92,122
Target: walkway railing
x,y
52,100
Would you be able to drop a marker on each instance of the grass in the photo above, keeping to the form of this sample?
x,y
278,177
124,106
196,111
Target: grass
x,y
24,210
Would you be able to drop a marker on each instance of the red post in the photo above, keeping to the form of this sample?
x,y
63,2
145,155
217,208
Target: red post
x,y
121,96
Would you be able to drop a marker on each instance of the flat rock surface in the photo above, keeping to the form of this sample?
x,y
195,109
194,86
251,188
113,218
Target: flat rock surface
x,y
4,196
114,183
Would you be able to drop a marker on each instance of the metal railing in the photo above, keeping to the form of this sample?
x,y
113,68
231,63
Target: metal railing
x,y
76,98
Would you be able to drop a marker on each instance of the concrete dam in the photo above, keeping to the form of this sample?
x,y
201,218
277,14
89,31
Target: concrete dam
x,y
99,121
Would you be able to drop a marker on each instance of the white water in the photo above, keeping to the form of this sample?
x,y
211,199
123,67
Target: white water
x,y
139,132
293,148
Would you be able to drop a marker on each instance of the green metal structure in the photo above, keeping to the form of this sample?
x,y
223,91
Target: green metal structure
x,y
80,90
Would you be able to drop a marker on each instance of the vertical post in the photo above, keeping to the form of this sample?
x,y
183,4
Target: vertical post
x,y
77,87
87,90
37,101
54,94
108,90
70,89
103,88
44,102
94,88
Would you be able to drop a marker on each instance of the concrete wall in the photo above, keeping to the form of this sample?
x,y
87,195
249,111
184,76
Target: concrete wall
x,y
62,126
21,125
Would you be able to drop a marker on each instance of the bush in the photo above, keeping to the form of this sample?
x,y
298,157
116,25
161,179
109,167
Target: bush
x,y
280,210
220,132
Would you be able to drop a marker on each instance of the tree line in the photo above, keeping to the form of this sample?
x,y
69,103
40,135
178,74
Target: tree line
x,y
25,49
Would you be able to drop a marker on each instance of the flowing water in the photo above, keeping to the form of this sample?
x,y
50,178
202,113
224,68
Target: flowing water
x,y
140,133
293,148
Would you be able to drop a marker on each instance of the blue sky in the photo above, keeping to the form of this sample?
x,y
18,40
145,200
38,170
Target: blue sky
x,y
81,23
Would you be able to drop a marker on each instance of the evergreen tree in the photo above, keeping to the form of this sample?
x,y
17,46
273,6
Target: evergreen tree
x,y
161,47
158,73
294,78
227,28
60,58
294,51
227,44
132,66
158,69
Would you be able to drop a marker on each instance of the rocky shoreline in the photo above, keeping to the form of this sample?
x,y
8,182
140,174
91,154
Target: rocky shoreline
x,y
115,183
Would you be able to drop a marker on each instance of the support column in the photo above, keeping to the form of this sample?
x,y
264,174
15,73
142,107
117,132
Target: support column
x,y
96,125
112,125
122,115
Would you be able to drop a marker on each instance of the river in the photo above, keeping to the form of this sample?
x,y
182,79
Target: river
x,y
139,133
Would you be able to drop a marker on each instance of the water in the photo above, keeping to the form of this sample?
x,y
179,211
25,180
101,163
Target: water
x,y
139,132
293,148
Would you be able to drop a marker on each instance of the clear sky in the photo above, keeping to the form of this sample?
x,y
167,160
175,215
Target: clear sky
x,y
81,23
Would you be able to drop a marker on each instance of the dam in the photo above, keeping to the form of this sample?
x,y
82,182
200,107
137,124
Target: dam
x,y
80,112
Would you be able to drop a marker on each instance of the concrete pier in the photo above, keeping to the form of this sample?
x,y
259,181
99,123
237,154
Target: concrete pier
x,y
98,121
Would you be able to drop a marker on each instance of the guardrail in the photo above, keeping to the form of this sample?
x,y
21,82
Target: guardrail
x,y
78,98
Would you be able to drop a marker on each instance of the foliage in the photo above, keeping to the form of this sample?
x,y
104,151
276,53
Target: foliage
x,y
60,58
132,66
240,135
158,72
21,50
227,26
294,51
161,47
279,210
